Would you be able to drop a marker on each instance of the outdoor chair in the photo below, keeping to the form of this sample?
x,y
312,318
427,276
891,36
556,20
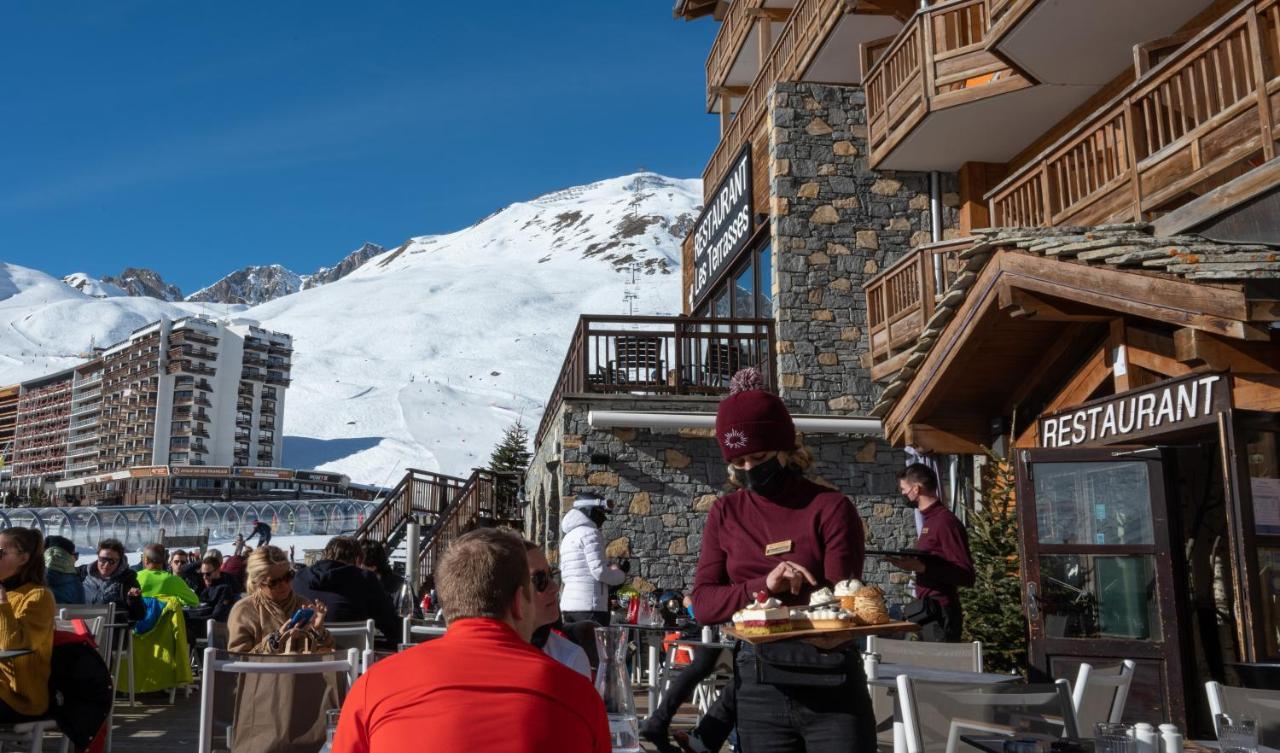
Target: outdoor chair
x,y
423,630
707,690
357,634
1099,694
935,715
1262,705
120,636
218,664
966,657
100,619
30,735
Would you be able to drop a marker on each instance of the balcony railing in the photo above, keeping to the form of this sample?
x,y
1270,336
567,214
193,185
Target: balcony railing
x,y
280,379
734,30
181,336
798,42
901,299
660,355
1200,118
938,60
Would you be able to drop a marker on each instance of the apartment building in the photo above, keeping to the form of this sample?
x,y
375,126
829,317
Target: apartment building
x,y
1045,229
190,392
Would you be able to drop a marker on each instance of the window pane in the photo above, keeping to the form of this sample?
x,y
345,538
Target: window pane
x,y
1094,596
720,306
743,294
1269,564
1093,504
764,293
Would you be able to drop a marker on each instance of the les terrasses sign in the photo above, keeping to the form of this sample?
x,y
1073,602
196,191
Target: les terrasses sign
x,y
1168,406
723,229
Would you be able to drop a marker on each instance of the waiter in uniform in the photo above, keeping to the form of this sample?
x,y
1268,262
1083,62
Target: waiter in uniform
x,y
944,566
781,534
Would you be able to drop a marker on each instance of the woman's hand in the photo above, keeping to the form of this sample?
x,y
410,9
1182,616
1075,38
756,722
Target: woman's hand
x,y
789,577
317,621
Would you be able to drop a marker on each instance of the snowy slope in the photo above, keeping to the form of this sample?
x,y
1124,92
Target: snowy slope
x,y
92,286
251,285
423,355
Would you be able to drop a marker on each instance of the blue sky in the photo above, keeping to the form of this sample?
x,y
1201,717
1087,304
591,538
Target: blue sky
x,y
196,138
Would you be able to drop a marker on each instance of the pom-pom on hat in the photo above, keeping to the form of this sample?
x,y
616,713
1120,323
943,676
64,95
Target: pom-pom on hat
x,y
751,420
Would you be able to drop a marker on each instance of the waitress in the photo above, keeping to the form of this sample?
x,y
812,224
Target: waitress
x,y
781,534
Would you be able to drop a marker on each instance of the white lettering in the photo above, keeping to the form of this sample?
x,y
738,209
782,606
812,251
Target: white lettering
x,y
1093,421
1208,383
1121,426
1108,421
1050,432
1166,406
1146,407
1077,427
1187,400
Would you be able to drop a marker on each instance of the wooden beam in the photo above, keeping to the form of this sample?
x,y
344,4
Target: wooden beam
x,y
1196,348
1125,374
1260,392
976,179
1024,305
944,441
726,113
1219,310
1154,351
764,36
889,367
1219,200
779,15
1031,380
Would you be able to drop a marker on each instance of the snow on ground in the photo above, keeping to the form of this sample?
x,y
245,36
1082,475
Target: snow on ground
x,y
301,544
425,354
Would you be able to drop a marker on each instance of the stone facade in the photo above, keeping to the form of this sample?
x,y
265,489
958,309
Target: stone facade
x,y
834,224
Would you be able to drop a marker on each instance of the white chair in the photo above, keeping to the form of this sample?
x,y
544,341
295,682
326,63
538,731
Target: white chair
x,y
1099,696
350,666
1262,705
411,627
950,711
120,636
966,657
357,634
100,620
30,734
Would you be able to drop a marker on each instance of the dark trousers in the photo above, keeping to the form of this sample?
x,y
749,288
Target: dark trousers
x,y
9,716
947,626
717,724
599,618
791,719
264,538
681,688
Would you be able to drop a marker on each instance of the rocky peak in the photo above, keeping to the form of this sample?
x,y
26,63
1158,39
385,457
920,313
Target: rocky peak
x,y
250,286
141,282
350,263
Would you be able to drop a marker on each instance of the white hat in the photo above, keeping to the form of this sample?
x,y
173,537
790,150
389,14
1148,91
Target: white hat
x,y
586,503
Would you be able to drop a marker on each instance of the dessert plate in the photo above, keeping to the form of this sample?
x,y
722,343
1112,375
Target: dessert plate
x,y
829,638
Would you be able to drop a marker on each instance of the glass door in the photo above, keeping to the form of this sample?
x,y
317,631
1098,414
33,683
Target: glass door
x,y
1098,578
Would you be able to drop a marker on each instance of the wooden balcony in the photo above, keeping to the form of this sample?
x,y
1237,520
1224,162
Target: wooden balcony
x,y
800,40
901,299
937,97
734,30
659,355
1168,146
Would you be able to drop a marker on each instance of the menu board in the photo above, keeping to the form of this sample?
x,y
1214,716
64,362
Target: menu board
x,y
1266,506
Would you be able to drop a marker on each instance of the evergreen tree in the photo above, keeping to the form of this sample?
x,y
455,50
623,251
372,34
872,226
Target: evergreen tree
x,y
993,607
512,455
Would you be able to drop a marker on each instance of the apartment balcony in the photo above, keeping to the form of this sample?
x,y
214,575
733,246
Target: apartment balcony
x,y
818,42
659,355
1188,138
200,447
244,405
244,419
246,390
280,348
205,385
267,425
200,431
252,359
269,393
242,436
203,401
255,344
264,457
240,458
278,363
84,466
255,375
193,351
82,452
182,336
1043,38
268,408
902,298
86,410
276,377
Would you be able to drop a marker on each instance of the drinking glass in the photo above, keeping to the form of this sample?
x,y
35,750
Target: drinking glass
x,y
331,717
1237,733
614,685
1114,738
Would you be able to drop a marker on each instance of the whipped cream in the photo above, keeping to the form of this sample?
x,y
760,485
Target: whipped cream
x,y
848,587
769,603
821,596
829,613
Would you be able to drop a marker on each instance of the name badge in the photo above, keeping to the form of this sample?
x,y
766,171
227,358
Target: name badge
x,y
778,547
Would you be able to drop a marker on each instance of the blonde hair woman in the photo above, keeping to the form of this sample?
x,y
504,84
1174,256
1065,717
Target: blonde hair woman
x,y
278,713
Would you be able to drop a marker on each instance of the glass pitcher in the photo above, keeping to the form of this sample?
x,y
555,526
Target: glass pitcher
x,y
614,684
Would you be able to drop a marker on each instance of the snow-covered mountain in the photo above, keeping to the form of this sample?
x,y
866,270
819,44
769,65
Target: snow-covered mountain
x,y
424,354
251,285
350,263
144,282
91,286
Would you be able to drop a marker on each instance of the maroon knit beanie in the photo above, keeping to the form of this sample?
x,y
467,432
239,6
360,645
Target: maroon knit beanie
x,y
751,420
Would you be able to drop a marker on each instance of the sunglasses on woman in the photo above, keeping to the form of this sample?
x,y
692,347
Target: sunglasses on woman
x,y
286,578
542,579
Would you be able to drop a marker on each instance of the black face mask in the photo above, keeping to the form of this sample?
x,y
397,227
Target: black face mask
x,y
540,636
765,479
597,515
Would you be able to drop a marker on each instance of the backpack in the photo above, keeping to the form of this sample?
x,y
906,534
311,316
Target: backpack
x,y
80,690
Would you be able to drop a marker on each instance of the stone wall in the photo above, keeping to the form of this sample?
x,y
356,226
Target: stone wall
x,y
835,224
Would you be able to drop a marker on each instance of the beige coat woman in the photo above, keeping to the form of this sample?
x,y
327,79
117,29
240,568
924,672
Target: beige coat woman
x,y
278,713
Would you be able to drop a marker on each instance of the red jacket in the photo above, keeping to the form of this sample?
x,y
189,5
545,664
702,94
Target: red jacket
x,y
478,688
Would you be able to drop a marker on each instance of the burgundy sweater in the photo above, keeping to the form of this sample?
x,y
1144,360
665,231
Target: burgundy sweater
x,y
950,566
826,537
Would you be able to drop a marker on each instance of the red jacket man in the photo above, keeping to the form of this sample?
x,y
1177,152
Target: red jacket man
x,y
481,687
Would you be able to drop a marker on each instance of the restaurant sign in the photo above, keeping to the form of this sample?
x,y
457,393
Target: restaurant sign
x,y
1176,404
723,228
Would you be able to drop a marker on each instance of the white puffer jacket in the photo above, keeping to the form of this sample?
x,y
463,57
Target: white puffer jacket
x,y
583,568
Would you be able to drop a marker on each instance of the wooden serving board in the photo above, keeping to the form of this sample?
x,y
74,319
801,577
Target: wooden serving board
x,y
828,637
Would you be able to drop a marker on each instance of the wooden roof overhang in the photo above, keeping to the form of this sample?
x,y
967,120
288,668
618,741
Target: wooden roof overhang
x,y
1033,334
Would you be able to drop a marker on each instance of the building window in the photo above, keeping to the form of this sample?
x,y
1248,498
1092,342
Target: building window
x,y
747,293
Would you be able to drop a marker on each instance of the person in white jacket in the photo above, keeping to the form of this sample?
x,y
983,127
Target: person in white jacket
x,y
585,572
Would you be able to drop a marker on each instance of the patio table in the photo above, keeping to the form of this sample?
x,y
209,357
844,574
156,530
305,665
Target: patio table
x,y
645,634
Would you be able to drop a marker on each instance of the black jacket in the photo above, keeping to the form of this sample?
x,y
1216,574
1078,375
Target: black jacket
x,y
217,599
350,593
114,589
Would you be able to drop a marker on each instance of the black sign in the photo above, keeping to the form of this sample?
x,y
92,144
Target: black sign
x,y
1176,404
723,228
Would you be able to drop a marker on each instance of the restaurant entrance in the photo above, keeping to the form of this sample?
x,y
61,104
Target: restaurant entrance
x,y
1099,573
